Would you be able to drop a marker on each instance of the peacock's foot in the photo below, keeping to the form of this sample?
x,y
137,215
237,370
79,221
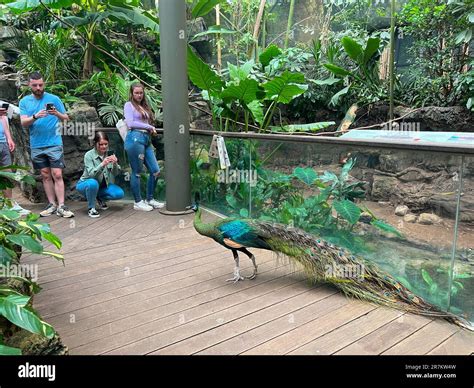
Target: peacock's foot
x,y
235,279
253,276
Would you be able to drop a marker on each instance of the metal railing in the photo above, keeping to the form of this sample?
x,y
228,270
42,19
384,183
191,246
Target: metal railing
x,y
409,145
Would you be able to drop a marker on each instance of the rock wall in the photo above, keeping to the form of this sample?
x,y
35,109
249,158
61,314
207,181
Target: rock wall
x,y
423,181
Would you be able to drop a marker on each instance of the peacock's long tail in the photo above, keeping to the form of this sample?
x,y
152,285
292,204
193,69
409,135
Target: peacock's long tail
x,y
353,275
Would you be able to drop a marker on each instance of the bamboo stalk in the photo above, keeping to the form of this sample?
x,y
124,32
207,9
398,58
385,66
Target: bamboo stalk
x,y
290,23
256,29
218,38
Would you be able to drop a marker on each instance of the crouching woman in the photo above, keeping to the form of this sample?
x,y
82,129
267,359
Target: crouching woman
x,y
97,181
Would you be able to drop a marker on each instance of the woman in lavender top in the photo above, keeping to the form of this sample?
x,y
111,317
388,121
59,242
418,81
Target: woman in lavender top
x,y
139,118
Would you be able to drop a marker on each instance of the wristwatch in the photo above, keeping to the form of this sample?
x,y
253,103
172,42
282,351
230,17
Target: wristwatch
x,y
34,117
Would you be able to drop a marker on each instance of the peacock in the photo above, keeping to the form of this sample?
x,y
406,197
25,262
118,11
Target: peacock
x,y
320,260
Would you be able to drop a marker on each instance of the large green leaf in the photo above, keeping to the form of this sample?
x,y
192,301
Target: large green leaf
x,y
285,87
202,75
6,255
18,177
134,16
353,49
240,73
270,52
371,48
256,108
28,5
335,99
426,277
52,238
327,81
245,91
14,309
347,210
311,127
9,351
337,70
306,175
204,7
9,215
244,213
31,226
25,241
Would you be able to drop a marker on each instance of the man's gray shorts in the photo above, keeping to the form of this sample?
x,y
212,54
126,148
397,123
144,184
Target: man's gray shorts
x,y
5,156
48,157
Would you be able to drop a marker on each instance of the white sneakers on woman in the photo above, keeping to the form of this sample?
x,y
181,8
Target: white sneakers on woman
x,y
143,206
148,205
155,204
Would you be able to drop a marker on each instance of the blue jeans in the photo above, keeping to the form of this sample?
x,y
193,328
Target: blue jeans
x,y
89,188
140,151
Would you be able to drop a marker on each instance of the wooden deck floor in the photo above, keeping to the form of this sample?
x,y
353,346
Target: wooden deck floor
x,y
145,283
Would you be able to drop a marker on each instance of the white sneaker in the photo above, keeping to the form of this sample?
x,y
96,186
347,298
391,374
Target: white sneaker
x,y
155,204
142,205
23,212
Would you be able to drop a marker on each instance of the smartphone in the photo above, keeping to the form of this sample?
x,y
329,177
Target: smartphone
x,y
5,105
110,152
50,106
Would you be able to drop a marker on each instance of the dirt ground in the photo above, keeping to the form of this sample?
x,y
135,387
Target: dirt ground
x,y
438,235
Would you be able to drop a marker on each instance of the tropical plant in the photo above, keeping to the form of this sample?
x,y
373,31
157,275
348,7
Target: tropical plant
x,y
111,91
88,15
243,93
441,34
434,285
363,76
18,234
53,54
137,61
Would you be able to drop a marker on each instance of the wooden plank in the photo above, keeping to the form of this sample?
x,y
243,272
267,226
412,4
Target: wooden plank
x,y
116,311
127,266
460,343
306,333
254,337
176,296
283,310
348,333
104,292
424,340
110,259
89,255
135,268
386,336
148,337
222,317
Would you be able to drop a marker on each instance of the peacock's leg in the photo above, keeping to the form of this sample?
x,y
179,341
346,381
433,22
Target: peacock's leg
x,y
251,257
237,275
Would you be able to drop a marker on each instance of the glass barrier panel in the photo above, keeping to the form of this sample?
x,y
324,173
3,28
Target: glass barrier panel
x,y
462,280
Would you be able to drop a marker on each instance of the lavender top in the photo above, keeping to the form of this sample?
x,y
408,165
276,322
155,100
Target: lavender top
x,y
134,118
